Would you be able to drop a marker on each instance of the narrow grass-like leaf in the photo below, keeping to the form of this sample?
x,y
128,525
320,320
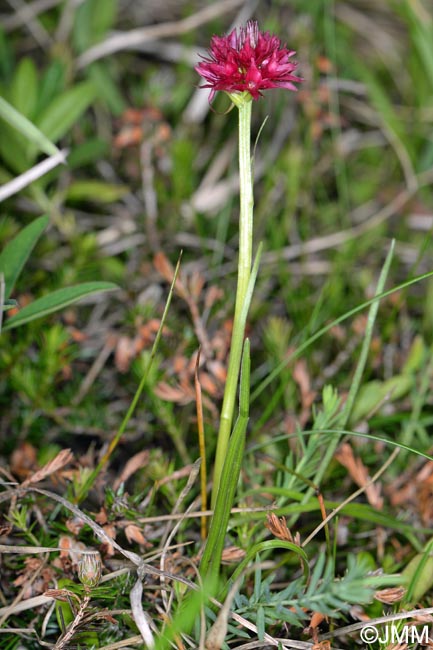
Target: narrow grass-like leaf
x,y
87,484
2,298
55,301
317,574
31,132
257,579
374,393
271,545
422,37
393,127
230,472
24,88
323,330
233,378
360,511
342,432
95,191
211,559
52,83
107,88
260,622
372,314
202,447
17,251
419,573
357,378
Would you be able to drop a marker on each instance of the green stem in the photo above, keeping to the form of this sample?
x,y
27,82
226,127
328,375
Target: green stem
x,y
244,271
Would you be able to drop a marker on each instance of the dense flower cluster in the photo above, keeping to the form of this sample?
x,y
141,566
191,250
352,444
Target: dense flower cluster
x,y
247,60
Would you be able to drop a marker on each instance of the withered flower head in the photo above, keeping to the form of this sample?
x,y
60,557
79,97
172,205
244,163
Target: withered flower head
x,y
247,61
89,570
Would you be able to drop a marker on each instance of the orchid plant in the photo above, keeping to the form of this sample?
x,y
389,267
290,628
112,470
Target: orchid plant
x,y
241,64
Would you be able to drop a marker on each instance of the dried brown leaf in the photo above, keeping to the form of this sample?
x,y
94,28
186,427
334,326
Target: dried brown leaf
x,y
278,527
313,628
322,645
171,394
212,295
101,517
71,548
134,534
74,525
359,474
391,595
124,353
138,461
196,284
165,268
232,555
218,370
111,531
63,458
23,460
208,385
302,378
64,595
31,564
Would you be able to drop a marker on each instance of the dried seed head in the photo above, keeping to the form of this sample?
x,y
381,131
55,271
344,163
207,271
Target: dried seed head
x,y
89,570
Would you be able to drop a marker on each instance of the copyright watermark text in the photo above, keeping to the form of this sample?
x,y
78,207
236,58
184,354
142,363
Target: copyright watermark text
x,y
393,634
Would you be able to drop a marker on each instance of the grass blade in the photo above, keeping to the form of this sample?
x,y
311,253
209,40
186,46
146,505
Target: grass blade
x,y
356,382
211,559
55,301
31,132
17,251
281,366
115,440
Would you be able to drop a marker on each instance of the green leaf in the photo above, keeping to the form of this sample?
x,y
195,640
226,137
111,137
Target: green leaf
x,y
57,300
395,129
269,546
51,85
421,38
16,252
6,56
375,393
419,573
31,132
13,149
24,90
107,89
210,562
260,622
96,191
87,152
64,111
92,20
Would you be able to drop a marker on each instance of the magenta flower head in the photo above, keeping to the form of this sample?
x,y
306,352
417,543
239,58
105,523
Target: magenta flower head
x,y
247,61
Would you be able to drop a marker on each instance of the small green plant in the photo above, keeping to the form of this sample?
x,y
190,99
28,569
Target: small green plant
x,y
12,260
320,592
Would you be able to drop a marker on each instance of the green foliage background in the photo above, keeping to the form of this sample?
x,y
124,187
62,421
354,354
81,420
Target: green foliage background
x,y
342,168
